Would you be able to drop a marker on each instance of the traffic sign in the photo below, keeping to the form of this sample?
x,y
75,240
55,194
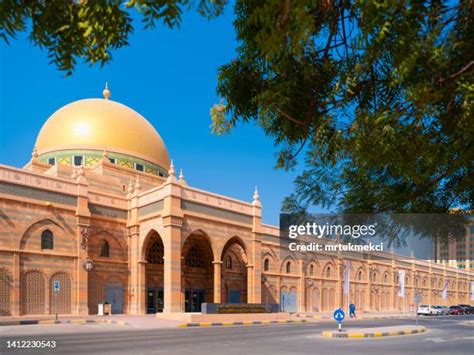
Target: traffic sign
x,y
339,315
56,286
418,298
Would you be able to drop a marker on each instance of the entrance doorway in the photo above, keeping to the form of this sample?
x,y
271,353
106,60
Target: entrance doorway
x,y
114,296
234,296
155,300
193,300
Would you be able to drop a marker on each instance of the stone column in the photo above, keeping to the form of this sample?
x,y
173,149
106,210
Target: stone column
x,y
368,295
254,291
217,281
301,287
82,237
250,283
172,267
172,217
136,285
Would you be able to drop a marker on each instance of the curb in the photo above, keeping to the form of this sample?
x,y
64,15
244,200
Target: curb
x,y
69,321
224,324
359,318
374,334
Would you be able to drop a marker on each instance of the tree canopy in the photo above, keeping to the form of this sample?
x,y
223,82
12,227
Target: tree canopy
x,y
373,97
89,31
376,95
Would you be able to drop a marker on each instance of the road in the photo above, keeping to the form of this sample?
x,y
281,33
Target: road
x,y
445,335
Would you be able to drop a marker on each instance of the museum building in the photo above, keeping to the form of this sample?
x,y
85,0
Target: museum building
x,y
100,212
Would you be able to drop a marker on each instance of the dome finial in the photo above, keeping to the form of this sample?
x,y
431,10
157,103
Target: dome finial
x,y
171,170
171,173
181,178
106,91
256,198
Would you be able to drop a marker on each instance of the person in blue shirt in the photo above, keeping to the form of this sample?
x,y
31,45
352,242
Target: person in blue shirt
x,y
352,310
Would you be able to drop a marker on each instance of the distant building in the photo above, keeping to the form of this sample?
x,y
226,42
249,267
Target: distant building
x,y
459,253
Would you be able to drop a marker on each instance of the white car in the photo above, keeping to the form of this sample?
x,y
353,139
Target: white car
x,y
441,310
426,309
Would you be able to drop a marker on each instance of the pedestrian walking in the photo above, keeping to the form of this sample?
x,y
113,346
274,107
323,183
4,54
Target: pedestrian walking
x,y
352,310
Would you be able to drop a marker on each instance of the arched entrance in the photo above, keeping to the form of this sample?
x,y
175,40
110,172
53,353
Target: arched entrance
x,y
154,271
197,271
234,271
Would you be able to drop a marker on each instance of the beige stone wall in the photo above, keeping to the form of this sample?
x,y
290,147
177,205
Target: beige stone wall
x,y
234,251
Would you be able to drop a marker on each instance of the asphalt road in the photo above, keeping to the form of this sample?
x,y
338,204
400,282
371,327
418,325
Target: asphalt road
x,y
445,335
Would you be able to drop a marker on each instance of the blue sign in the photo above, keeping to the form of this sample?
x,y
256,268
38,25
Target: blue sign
x,y
339,315
56,286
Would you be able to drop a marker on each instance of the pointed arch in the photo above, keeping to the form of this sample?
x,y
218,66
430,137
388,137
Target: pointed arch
x,y
329,270
202,234
311,268
284,263
116,245
37,228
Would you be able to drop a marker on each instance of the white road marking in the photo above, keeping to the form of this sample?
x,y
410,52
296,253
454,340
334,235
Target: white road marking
x,y
444,340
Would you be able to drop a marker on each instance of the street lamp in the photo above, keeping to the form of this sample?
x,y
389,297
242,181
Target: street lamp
x,y
88,265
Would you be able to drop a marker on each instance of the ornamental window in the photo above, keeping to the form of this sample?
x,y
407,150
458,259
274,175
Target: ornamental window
x,y
266,265
155,253
47,239
195,258
228,262
105,249
78,160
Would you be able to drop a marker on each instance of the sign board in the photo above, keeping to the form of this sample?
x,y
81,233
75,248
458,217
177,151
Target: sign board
x,y
228,308
56,286
418,298
339,315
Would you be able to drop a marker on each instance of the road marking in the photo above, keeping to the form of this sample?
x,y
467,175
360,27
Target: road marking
x,y
444,340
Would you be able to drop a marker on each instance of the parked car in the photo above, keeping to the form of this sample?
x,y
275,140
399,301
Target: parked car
x,y
456,310
426,310
441,310
468,309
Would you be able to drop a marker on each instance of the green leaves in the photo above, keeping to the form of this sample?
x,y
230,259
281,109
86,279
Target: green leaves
x,y
89,31
376,96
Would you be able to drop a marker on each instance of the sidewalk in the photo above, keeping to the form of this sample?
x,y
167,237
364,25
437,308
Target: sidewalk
x,y
360,316
151,321
145,322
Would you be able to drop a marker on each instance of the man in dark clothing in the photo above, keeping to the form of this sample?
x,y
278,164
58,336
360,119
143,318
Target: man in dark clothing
x,y
352,310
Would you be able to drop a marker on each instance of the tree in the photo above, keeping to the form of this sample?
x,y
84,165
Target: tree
x,y
72,30
377,95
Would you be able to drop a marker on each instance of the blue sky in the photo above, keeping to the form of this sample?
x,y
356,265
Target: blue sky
x,y
170,77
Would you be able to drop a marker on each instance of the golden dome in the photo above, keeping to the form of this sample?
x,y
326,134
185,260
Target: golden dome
x,y
98,124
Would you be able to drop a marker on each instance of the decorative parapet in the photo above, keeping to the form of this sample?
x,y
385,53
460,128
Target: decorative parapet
x,y
37,181
270,230
109,200
215,200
